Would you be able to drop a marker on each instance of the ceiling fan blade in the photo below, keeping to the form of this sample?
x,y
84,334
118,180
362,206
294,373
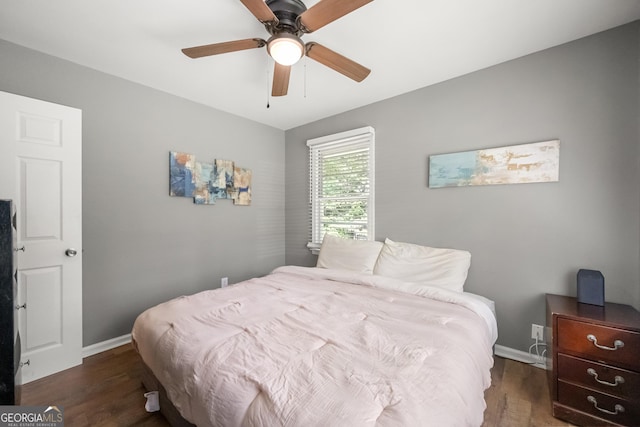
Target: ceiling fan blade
x,y
327,11
281,75
339,63
260,10
218,48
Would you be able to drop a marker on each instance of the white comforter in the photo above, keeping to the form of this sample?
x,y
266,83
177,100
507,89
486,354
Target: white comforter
x,y
316,347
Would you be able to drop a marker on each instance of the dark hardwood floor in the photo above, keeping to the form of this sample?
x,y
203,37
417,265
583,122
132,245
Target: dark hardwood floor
x,y
106,391
518,396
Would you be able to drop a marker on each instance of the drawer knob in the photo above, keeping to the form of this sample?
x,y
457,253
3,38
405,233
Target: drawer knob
x,y
616,409
616,344
617,380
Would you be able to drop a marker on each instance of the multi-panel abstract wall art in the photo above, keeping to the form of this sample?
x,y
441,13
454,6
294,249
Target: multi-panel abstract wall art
x,y
208,181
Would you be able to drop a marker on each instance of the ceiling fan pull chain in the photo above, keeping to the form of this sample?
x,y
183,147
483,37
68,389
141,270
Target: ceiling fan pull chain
x,y
305,77
268,81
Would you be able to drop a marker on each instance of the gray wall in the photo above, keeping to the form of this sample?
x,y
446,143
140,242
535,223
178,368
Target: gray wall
x,y
526,240
141,246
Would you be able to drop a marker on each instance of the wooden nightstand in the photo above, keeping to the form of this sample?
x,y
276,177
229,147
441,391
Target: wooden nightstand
x,y
595,373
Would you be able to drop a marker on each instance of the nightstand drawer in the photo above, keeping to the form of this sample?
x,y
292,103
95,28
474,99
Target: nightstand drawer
x,y
601,405
608,379
617,346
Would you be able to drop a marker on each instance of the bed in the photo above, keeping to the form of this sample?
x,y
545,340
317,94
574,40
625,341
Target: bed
x,y
338,344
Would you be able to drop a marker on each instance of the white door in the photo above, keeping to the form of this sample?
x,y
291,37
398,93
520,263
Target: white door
x,y
41,170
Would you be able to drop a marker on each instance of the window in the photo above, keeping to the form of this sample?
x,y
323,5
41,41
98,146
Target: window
x,y
341,178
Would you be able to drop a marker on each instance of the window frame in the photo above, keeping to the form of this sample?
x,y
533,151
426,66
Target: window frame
x,y
363,136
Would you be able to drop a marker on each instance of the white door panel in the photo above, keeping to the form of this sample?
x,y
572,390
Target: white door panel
x,y
41,170
42,287
41,185
39,129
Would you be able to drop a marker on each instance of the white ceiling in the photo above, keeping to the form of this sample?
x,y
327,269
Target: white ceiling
x,y
408,44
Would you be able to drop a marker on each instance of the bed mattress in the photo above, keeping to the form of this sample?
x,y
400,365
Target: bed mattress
x,y
312,346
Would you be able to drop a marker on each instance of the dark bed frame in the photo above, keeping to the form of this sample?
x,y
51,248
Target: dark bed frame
x,y
151,383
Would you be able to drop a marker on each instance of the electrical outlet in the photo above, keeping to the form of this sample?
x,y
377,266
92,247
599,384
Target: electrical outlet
x,y
224,282
537,332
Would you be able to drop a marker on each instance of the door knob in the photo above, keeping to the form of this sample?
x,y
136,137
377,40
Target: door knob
x,y
71,252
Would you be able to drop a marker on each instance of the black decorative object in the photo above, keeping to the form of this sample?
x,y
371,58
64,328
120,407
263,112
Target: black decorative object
x,y
590,287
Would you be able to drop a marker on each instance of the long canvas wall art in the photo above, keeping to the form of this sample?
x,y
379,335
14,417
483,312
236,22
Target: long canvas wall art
x,y
207,181
515,164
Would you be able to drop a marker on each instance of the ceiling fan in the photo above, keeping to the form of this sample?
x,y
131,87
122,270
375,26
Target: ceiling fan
x,y
287,21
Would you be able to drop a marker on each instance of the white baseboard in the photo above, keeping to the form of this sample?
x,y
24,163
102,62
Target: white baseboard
x,y
99,347
520,356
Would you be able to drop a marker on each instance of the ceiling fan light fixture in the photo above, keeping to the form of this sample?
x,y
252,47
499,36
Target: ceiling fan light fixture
x,y
285,48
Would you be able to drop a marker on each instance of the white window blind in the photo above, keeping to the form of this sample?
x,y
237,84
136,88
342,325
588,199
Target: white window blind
x,y
341,178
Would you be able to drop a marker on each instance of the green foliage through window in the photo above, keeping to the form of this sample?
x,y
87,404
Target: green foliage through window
x,y
341,189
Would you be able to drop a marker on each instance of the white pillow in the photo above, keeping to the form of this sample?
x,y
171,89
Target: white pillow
x,y
446,268
347,254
